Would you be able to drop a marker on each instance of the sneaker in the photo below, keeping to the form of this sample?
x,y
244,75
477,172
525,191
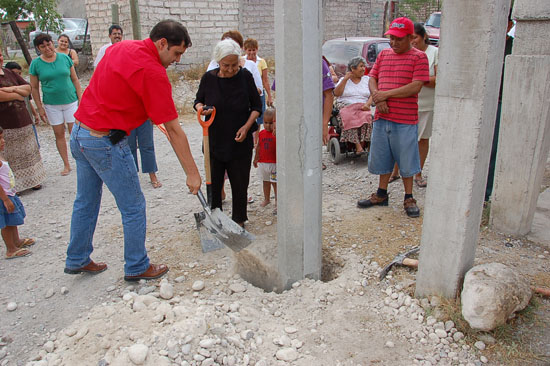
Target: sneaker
x,y
374,200
411,208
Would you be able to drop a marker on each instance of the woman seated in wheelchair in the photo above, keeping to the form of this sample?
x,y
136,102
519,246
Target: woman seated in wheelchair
x,y
354,102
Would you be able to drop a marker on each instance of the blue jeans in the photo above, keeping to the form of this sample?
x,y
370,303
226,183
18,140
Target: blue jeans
x,y
142,137
392,143
97,162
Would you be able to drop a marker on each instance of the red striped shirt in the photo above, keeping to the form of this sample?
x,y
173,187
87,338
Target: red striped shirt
x,y
394,70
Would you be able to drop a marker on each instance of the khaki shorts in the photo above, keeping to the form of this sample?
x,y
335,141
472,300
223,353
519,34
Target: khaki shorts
x,y
425,122
268,172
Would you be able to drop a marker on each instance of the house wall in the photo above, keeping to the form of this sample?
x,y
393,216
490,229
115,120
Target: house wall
x,y
207,20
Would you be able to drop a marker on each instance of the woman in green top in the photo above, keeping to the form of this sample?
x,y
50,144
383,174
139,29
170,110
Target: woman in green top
x,y
61,92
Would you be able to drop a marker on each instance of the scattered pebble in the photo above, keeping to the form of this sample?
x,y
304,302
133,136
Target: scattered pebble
x,y
138,353
198,285
12,306
479,345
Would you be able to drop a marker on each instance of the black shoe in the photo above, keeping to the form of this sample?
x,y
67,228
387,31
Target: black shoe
x,y
411,208
374,200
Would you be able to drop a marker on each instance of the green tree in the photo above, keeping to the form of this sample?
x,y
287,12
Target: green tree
x,y
44,12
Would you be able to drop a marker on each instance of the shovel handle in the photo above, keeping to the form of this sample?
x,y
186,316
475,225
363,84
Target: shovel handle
x,y
203,200
206,123
206,147
410,262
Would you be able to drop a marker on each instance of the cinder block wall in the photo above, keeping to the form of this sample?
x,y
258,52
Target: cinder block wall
x,y
207,20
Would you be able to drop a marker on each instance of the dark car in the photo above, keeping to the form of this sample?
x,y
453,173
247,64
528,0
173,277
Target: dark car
x,y
340,50
432,25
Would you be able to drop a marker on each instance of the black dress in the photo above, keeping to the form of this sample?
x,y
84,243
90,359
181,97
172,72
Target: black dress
x,y
234,98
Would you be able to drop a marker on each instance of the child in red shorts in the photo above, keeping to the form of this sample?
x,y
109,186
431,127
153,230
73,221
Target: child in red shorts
x,y
266,156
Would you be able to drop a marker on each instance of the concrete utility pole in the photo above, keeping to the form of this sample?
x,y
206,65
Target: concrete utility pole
x,y
298,36
524,139
467,89
136,23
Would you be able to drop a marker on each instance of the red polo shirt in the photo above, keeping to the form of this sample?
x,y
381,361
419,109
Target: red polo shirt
x,y
129,86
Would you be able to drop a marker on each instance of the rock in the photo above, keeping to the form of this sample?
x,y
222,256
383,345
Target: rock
x,y
180,279
487,339
49,346
291,330
390,344
138,353
296,343
483,359
237,288
198,285
287,354
449,324
458,336
49,293
479,345
64,290
431,321
207,343
166,291
268,223
12,306
492,292
69,332
440,333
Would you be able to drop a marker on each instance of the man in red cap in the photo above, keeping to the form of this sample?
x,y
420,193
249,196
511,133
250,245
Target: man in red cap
x,y
395,80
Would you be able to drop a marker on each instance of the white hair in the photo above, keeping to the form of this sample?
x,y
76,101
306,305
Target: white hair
x,y
225,48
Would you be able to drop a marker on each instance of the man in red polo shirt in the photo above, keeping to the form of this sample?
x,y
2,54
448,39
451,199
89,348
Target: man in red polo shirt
x,y
395,80
129,86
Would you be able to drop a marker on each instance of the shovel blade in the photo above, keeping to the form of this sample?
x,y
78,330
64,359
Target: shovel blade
x,y
230,233
209,242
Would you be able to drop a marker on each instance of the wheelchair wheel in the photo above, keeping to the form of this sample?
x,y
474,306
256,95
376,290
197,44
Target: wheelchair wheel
x,y
335,153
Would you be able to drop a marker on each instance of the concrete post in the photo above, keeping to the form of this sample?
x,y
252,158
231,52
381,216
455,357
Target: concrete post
x,y
470,63
298,35
524,139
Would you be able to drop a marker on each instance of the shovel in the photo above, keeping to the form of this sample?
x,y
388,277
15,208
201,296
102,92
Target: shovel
x,y
215,228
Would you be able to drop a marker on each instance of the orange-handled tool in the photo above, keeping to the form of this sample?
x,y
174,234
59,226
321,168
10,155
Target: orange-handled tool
x,y
206,147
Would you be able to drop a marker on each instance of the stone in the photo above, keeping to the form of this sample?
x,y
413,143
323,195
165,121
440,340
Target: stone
x,y
492,292
207,343
449,324
180,279
479,345
49,346
166,291
440,333
458,336
49,293
483,359
138,353
64,290
198,285
291,330
287,354
12,306
237,288
111,288
390,344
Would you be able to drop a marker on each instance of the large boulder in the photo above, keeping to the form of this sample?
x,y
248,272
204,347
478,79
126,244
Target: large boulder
x,y
491,294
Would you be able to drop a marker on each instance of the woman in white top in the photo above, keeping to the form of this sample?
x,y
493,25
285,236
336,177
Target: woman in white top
x,y
353,94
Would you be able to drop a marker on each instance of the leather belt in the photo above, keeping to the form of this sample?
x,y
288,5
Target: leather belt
x,y
94,133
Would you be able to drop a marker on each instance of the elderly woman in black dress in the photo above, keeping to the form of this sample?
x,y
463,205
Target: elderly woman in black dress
x,y
231,90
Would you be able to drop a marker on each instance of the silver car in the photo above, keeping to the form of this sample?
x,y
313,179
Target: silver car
x,y
75,28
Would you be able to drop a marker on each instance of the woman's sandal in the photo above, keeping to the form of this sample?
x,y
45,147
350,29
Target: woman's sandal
x,y
393,178
156,183
27,242
19,253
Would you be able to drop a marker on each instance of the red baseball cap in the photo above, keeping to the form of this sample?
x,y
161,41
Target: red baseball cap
x,y
400,27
